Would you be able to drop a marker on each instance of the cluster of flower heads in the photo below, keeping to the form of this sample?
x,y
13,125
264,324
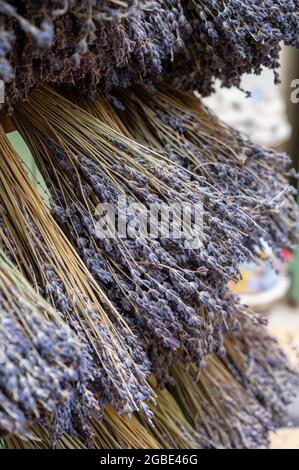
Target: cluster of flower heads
x,y
110,43
33,241
176,297
43,370
230,38
253,180
230,403
236,400
175,300
256,361
137,304
173,297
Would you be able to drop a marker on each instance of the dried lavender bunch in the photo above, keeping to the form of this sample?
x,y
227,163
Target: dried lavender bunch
x,y
109,43
38,247
252,384
171,427
179,125
102,38
212,407
256,361
175,297
230,38
254,179
220,409
43,370
112,432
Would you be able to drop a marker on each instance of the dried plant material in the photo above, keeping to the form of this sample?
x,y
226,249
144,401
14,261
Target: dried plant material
x,y
112,43
112,432
254,179
258,363
175,298
43,370
34,242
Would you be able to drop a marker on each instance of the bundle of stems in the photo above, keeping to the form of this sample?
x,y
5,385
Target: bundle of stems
x,y
178,124
37,246
237,399
112,432
116,43
202,410
217,407
256,361
222,409
255,179
171,429
43,370
176,298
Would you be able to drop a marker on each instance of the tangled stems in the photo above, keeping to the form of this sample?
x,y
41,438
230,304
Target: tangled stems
x,y
178,296
256,361
112,432
254,179
38,247
43,371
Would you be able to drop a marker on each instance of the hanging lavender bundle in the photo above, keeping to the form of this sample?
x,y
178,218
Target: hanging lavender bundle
x,y
255,180
252,385
110,43
88,41
234,401
221,409
212,408
43,370
174,296
112,432
257,362
234,37
138,304
38,247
